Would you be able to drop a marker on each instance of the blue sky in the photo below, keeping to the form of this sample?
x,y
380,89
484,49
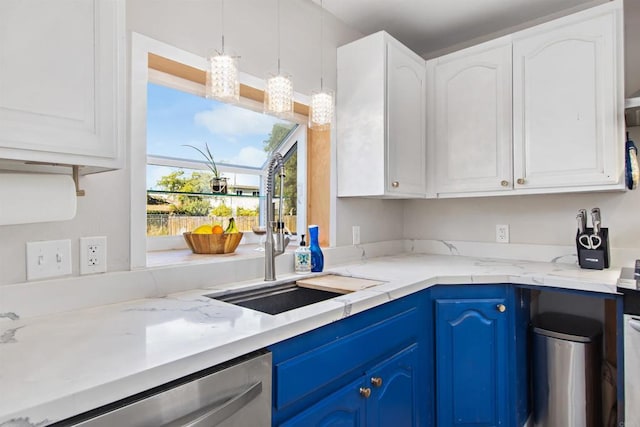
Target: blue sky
x,y
235,135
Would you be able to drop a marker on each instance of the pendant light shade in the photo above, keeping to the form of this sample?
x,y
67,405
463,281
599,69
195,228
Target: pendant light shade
x,y
278,95
222,76
321,110
321,105
278,89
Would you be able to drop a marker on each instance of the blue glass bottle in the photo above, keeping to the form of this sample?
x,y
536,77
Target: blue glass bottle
x,y
317,259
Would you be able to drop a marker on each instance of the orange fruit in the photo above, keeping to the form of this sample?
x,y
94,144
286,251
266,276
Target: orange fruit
x,y
217,229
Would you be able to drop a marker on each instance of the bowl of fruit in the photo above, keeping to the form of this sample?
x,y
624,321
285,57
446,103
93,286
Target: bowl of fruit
x,y
213,239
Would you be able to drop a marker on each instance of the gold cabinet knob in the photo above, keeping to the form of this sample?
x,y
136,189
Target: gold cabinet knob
x,y
365,392
520,181
376,381
501,308
395,184
504,183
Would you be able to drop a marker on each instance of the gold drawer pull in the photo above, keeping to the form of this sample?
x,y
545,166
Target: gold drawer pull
x,y
365,392
376,381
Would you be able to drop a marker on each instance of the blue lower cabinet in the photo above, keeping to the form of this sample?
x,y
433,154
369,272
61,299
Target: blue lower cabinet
x,y
384,397
344,408
394,386
471,354
452,355
477,380
369,369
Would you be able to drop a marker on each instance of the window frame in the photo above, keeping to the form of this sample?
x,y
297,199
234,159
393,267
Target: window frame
x,y
141,47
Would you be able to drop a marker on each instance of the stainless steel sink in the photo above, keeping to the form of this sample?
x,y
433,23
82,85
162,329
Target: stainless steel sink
x,y
276,299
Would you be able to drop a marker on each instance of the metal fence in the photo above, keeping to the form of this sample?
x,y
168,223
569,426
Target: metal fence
x,y
175,225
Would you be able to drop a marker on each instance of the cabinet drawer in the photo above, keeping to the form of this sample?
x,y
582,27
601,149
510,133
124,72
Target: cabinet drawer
x,y
303,374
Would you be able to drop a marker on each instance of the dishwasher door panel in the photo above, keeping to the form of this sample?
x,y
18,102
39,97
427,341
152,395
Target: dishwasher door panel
x,y
236,396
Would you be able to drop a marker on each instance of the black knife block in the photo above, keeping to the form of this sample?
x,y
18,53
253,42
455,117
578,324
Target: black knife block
x,y
594,259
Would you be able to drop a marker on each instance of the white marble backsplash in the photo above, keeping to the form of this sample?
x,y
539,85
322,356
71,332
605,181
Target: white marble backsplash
x,y
29,299
620,257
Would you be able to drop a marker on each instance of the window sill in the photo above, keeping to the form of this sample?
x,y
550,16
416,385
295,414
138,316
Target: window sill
x,y
185,256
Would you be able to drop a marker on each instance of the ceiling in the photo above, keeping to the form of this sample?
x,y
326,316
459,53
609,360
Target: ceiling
x,y
428,26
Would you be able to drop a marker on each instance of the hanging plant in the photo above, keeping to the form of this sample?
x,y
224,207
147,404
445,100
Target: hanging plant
x,y
218,183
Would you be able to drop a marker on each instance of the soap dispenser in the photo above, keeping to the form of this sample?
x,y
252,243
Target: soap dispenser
x,y
302,258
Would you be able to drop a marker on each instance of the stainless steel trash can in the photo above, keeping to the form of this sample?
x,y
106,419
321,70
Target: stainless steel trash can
x,y
566,371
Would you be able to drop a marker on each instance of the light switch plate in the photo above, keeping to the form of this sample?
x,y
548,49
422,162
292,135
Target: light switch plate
x,y
50,258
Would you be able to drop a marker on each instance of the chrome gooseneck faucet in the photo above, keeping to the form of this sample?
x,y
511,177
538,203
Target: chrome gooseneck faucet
x,y
276,241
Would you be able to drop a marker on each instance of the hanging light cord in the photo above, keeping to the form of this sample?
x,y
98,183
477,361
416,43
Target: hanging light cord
x,y
321,45
222,25
278,24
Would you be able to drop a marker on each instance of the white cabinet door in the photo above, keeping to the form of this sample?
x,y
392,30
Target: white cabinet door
x,y
566,83
473,119
406,117
381,119
61,81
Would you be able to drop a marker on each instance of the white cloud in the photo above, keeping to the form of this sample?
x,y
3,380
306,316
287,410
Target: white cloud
x,y
231,120
249,156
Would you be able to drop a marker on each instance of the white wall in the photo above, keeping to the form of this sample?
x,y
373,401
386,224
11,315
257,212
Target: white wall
x,y
379,220
251,32
192,25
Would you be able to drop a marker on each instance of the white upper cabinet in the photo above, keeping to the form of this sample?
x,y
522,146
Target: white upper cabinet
x,y
472,119
567,101
62,82
380,119
561,129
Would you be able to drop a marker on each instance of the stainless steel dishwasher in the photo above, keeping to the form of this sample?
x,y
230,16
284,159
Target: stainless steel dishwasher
x,y
234,394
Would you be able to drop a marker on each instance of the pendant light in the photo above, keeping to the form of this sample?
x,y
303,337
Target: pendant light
x,y
321,105
278,90
222,76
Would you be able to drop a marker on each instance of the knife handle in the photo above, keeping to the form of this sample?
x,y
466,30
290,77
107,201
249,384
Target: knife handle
x,y
580,221
583,216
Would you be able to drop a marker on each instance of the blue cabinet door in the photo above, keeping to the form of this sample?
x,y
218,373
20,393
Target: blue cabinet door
x,y
344,408
394,391
471,360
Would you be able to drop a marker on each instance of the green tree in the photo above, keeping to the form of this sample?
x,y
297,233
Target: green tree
x,y
191,206
221,210
198,182
278,133
246,212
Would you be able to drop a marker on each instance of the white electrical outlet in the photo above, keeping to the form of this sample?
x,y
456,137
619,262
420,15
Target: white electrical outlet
x,y
502,233
48,259
356,234
93,255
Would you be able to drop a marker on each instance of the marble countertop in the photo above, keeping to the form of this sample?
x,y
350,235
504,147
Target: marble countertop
x,y
55,366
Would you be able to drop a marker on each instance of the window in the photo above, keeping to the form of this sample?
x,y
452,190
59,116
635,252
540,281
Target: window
x,y
169,111
180,193
158,68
